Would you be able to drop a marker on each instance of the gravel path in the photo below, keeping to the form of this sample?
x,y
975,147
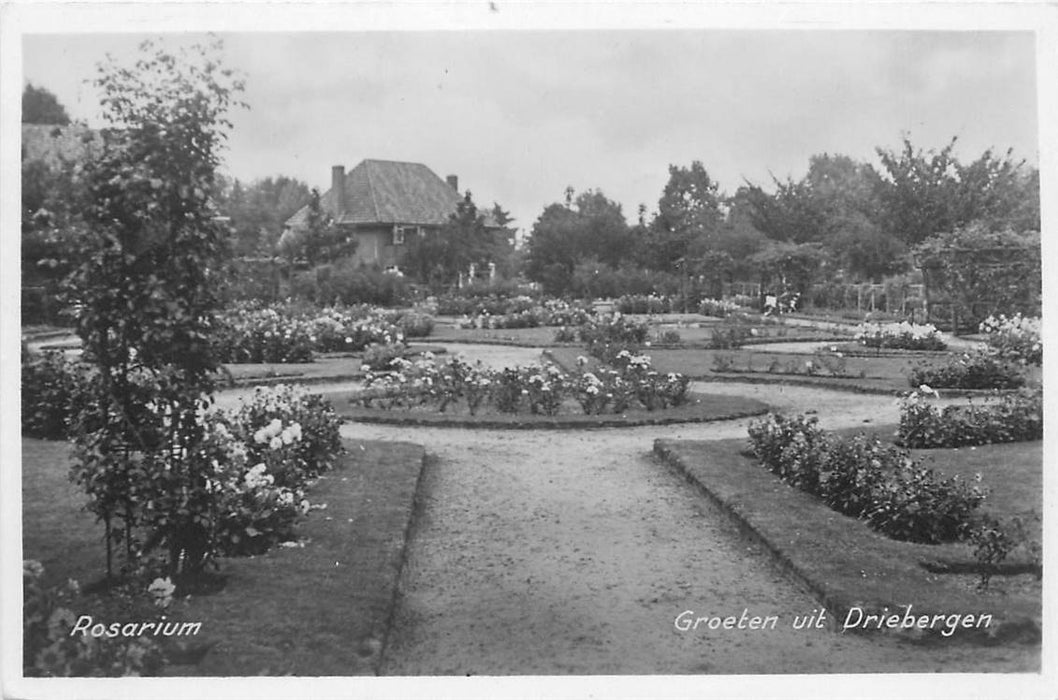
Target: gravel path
x,y
544,552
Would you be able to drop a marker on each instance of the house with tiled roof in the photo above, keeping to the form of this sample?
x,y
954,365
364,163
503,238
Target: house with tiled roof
x,y
382,204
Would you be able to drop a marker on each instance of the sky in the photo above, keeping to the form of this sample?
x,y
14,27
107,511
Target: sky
x,y
521,115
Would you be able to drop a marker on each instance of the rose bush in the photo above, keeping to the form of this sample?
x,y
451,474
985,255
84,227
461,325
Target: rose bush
x,y
901,336
1012,418
283,333
860,477
1016,339
544,390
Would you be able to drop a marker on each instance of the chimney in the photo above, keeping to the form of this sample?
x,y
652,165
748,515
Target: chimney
x,y
338,188
453,182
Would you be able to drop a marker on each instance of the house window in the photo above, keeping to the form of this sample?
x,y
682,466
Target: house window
x,y
400,232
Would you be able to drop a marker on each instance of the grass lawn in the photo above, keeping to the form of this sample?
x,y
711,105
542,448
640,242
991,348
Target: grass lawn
x,y
846,564
326,367
318,610
882,375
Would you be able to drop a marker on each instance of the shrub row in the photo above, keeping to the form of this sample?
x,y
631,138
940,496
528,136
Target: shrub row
x,y
1012,418
252,333
978,370
532,389
861,477
901,336
550,313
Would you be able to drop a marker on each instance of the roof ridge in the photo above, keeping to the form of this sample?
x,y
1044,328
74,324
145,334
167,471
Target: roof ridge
x,y
395,162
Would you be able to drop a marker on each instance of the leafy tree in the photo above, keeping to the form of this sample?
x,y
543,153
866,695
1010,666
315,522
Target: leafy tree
x,y
259,209
323,240
589,227
785,267
690,210
146,287
925,193
918,192
983,271
438,257
39,106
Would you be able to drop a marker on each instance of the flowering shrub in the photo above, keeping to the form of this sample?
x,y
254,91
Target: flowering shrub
x,y
729,336
719,308
1016,339
979,370
493,305
307,426
644,304
249,332
380,357
413,324
1013,418
902,336
613,328
51,650
543,390
53,390
860,477
550,313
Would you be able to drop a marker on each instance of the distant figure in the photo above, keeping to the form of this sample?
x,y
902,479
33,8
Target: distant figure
x,y
771,303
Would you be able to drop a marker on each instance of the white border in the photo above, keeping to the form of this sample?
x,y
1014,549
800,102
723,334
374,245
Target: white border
x,y
18,18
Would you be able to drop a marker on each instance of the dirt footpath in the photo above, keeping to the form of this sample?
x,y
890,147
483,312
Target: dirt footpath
x,y
573,553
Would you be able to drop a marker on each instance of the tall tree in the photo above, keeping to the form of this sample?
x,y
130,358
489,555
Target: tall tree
x,y
690,209
40,106
146,290
437,257
589,227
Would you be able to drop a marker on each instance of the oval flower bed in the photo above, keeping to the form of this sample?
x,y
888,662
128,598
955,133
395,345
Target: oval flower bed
x,y
456,392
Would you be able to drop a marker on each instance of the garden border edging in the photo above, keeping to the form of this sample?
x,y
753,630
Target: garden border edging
x,y
1017,624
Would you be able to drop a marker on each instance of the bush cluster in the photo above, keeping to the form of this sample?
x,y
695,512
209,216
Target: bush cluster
x,y
861,477
900,336
1015,339
646,304
467,303
251,333
49,650
264,455
978,370
53,390
533,389
720,308
347,283
551,313
1012,418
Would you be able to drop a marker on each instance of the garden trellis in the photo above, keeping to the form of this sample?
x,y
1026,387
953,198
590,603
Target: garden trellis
x,y
964,285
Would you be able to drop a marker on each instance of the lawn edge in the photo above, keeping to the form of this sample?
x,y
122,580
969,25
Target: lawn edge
x,y
837,598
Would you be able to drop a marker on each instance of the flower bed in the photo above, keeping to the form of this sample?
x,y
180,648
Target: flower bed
x,y
251,333
550,313
1012,418
863,478
456,385
493,305
978,370
1016,339
903,336
720,308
